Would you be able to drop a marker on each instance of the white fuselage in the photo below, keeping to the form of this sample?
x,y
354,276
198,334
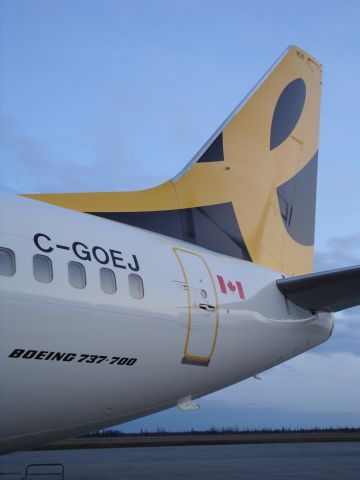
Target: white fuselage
x,y
77,359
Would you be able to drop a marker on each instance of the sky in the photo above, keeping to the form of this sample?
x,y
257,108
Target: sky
x,y
119,95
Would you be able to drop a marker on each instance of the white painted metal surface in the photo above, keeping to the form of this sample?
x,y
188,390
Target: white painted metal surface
x,y
58,344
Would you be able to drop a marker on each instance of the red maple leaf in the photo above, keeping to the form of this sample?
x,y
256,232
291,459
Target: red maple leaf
x,y
231,286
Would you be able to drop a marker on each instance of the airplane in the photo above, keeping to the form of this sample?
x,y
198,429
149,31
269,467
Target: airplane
x,y
116,305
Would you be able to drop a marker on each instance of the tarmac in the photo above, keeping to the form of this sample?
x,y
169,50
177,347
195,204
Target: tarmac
x,y
321,461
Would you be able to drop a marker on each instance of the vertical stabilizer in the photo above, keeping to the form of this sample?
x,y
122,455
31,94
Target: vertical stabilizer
x,y
250,192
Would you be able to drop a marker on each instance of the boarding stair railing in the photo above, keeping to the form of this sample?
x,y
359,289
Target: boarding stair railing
x,y
36,470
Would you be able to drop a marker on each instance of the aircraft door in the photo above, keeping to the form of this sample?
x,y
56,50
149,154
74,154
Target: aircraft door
x,y
203,314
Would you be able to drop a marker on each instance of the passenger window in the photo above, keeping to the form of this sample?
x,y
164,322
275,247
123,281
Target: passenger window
x,y
107,280
136,286
77,275
42,268
7,262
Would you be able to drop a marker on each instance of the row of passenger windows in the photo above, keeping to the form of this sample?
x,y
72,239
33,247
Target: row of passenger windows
x,y
43,272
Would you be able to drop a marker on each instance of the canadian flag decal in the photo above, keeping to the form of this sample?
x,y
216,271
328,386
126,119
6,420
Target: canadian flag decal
x,y
231,287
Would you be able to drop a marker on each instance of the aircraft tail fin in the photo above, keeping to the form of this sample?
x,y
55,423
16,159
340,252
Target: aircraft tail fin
x,y
250,191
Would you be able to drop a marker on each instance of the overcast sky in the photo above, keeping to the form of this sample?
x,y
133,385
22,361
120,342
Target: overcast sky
x,y
119,95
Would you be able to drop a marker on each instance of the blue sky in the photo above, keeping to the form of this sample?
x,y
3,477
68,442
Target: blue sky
x,y
119,95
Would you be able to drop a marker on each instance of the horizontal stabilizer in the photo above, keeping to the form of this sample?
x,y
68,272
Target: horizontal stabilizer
x,y
329,291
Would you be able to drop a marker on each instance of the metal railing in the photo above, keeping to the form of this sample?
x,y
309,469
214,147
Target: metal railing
x,y
12,475
35,470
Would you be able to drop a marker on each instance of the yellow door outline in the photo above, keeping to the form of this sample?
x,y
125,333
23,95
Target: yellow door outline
x,y
194,359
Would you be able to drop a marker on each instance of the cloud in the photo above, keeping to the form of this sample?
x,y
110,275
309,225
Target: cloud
x,y
292,382
24,161
341,252
29,165
307,391
346,334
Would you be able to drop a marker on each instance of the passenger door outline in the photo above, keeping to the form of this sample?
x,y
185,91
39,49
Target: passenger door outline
x,y
197,312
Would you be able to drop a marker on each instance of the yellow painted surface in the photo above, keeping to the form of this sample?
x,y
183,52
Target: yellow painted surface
x,y
249,175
